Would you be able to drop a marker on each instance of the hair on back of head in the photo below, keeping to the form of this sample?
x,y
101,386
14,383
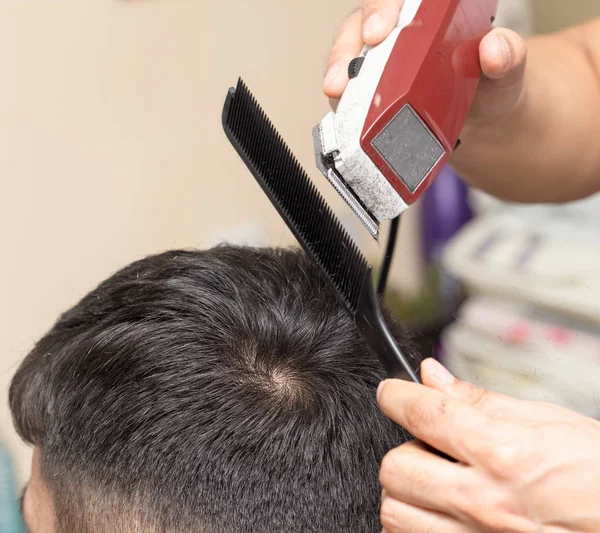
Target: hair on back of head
x,y
214,391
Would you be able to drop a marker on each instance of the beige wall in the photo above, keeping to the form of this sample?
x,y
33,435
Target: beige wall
x,y
551,15
111,145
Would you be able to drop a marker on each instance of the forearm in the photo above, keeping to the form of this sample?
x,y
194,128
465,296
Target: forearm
x,y
548,148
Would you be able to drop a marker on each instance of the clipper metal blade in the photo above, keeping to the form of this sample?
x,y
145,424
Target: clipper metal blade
x,y
327,167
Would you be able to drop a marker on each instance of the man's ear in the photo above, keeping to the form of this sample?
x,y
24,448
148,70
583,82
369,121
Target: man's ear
x,y
38,506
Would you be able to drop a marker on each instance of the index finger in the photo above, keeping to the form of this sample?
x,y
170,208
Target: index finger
x,y
450,426
348,44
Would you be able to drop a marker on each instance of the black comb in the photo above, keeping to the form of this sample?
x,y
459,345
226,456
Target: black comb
x,y
312,222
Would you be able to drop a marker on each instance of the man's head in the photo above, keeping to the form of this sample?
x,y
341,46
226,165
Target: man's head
x,y
217,391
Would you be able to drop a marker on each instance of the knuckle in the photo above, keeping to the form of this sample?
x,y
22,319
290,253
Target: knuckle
x,y
505,460
396,517
480,397
386,397
401,473
498,511
390,515
420,483
471,501
391,467
332,60
461,499
419,416
339,55
468,501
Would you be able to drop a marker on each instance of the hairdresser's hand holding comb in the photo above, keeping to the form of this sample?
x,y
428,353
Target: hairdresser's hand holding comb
x,y
524,467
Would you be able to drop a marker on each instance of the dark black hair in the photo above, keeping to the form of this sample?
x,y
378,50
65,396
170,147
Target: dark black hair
x,y
207,391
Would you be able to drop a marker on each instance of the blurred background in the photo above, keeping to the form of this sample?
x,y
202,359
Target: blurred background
x,y
111,149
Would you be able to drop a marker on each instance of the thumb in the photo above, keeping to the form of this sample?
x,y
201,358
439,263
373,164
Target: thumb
x,y
434,375
503,56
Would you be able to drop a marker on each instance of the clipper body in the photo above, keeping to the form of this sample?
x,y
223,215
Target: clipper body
x,y
404,107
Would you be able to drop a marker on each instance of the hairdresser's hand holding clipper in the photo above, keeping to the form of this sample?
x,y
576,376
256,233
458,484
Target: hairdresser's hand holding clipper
x,y
533,134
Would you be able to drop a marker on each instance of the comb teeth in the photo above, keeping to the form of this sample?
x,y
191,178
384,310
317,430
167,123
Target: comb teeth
x,y
294,195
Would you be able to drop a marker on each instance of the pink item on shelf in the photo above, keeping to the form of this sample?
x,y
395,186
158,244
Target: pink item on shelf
x,y
514,328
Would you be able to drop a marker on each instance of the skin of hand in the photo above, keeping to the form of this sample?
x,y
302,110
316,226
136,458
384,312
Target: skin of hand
x,y
523,467
533,132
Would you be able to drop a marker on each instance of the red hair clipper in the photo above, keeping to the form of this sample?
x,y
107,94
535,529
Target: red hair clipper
x,y
403,110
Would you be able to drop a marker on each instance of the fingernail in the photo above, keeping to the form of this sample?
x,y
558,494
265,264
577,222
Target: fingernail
x,y
442,376
504,52
332,73
372,26
379,389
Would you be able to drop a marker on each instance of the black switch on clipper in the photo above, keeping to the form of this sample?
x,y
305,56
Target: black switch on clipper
x,y
355,66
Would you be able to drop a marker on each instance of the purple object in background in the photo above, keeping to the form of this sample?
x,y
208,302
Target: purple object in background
x,y
444,211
